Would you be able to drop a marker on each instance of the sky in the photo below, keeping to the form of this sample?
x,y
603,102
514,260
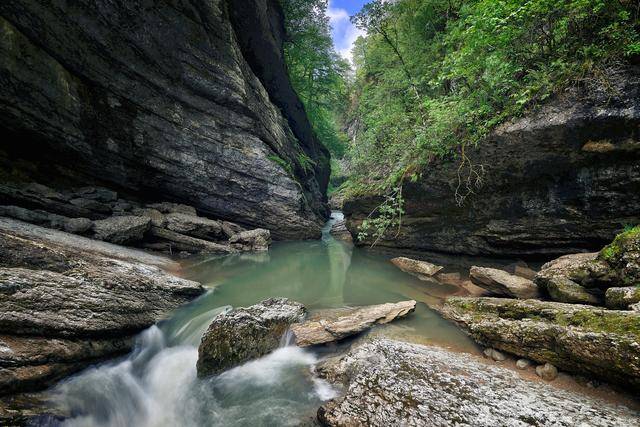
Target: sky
x,y
344,33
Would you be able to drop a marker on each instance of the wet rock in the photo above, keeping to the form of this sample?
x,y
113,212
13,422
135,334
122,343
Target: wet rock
x,y
175,242
251,241
177,208
423,270
452,279
193,226
394,383
523,364
246,333
67,301
334,325
494,354
622,298
547,372
575,338
121,229
499,282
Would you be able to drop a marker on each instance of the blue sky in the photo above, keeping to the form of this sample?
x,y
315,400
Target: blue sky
x,y
344,33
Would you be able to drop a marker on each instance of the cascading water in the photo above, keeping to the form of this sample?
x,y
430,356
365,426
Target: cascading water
x,y
156,385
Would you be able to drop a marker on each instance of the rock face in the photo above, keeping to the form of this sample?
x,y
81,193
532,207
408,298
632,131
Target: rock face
x,y
334,325
394,383
499,282
420,269
199,111
67,301
540,174
246,333
575,338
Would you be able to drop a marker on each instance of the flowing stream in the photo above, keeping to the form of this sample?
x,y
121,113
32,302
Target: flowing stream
x,y
156,384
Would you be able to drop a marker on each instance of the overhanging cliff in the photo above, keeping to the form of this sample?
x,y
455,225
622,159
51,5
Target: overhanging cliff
x,y
161,100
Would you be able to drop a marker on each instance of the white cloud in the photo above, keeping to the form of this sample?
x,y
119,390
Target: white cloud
x,y
344,33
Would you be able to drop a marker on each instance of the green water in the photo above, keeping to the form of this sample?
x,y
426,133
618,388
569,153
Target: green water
x,y
156,385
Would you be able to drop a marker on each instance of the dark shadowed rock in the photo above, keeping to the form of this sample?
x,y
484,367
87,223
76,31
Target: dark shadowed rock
x,y
333,325
246,333
157,218
501,283
423,270
390,383
186,117
121,229
576,338
539,178
251,240
173,208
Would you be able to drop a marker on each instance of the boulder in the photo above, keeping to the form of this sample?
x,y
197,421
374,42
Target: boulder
x,y
622,298
121,229
77,225
623,257
562,289
251,240
157,218
576,338
333,325
391,383
423,270
499,282
194,226
170,241
68,301
340,232
494,354
230,229
247,333
547,372
526,272
522,364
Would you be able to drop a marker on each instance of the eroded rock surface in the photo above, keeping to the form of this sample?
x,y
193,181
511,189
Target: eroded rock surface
x,y
333,325
576,338
394,383
499,282
246,333
540,175
199,111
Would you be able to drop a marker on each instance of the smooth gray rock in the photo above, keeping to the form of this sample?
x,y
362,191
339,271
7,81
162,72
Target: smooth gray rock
x,y
251,241
390,383
499,282
576,338
194,226
246,333
423,270
334,325
185,117
121,229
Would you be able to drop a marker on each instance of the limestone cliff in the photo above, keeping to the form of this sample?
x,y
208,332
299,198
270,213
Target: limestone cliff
x,y
161,101
564,178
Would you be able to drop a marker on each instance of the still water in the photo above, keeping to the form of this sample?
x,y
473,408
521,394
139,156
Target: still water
x,y
156,384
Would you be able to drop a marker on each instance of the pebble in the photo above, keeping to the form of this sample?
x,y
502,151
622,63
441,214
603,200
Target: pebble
x,y
522,364
547,372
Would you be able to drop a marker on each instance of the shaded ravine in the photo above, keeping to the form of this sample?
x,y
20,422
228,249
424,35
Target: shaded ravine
x,y
156,384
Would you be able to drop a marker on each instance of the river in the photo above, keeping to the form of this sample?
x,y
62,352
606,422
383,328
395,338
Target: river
x,y
156,384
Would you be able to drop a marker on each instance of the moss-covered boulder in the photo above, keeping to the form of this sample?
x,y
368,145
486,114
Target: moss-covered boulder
x,y
562,289
246,333
623,256
622,298
576,338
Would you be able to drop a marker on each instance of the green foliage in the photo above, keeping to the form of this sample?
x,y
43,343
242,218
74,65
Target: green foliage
x,y
316,71
434,76
283,163
386,216
612,252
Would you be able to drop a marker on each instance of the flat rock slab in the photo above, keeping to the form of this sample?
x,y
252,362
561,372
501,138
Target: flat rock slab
x,y
421,269
576,338
389,383
334,325
246,333
499,282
